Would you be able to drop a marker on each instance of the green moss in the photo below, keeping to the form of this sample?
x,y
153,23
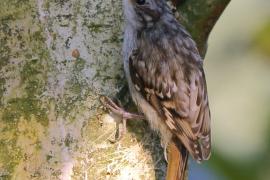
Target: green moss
x,y
4,52
46,5
68,140
34,87
30,70
71,103
79,64
94,27
24,107
32,76
12,9
71,98
37,36
114,39
11,155
24,56
2,89
33,83
30,104
76,88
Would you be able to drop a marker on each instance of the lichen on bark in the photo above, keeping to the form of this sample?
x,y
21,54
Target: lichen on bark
x,y
22,69
47,95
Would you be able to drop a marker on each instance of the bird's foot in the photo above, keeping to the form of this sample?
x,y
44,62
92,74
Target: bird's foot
x,y
118,110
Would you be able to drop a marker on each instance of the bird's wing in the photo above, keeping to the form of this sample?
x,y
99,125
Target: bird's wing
x,y
175,86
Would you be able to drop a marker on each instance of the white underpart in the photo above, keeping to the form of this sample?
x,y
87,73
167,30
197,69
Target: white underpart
x,y
152,117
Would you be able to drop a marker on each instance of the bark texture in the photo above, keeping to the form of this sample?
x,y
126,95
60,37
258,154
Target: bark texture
x,y
199,17
56,58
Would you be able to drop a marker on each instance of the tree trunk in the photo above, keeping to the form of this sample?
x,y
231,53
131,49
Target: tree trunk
x,y
56,58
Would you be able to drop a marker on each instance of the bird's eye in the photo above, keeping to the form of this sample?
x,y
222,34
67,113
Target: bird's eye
x,y
141,2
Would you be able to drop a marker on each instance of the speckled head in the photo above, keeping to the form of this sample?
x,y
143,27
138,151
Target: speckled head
x,y
144,13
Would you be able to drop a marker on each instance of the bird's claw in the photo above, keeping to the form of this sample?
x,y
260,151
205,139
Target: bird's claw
x,y
113,107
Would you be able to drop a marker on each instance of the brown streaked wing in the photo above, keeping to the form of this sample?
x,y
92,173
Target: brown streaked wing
x,y
177,90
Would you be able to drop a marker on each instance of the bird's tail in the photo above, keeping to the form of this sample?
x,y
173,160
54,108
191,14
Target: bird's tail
x,y
177,162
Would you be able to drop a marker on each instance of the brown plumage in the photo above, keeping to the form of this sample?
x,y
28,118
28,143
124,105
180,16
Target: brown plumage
x,y
167,81
178,161
172,81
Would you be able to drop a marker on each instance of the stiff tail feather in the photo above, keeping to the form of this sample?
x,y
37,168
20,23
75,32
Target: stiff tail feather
x,y
177,162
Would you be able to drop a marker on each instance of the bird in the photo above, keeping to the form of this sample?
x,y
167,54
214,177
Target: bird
x,y
167,82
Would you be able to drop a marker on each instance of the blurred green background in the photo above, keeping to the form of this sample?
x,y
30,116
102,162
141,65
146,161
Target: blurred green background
x,y
237,67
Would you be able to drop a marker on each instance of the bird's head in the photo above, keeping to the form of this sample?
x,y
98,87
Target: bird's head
x,y
143,13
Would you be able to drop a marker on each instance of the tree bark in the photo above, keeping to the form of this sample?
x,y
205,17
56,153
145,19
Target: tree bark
x,y
56,58
199,18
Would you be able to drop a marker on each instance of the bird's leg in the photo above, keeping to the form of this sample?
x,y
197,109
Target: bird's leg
x,y
113,107
120,131
118,110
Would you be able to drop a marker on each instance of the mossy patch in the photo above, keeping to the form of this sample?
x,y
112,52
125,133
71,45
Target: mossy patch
x,y
30,104
11,155
12,9
68,140
2,89
23,61
79,64
33,83
32,77
24,107
76,89
4,52
95,27
72,100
